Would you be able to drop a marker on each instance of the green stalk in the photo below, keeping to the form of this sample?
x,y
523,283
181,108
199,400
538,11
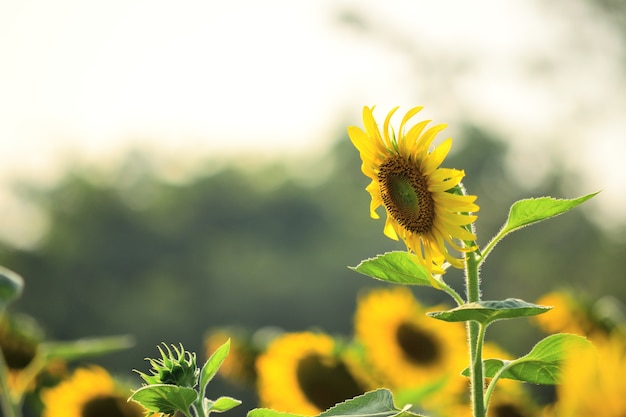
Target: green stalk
x,y
9,407
476,333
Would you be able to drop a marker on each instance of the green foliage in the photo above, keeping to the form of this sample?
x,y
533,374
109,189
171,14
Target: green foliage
x,y
170,388
86,347
396,267
11,286
529,211
542,365
377,403
165,398
486,312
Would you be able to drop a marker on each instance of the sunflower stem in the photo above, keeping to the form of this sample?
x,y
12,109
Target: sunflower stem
x,y
476,333
10,407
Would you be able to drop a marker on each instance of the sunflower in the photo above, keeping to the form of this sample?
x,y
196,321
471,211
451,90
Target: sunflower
x,y
592,382
306,373
89,392
575,313
424,203
20,340
406,348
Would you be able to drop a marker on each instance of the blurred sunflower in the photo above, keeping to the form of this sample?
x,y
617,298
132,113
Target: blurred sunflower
x,y
406,348
306,373
89,392
575,313
20,340
593,382
566,316
424,203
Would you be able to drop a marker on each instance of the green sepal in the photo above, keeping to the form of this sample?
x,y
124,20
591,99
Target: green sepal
x,y
11,286
486,312
220,405
377,403
165,398
542,365
87,347
398,267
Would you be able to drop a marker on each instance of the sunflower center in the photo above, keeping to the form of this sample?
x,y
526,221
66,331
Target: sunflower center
x,y
404,191
326,382
418,346
17,355
109,407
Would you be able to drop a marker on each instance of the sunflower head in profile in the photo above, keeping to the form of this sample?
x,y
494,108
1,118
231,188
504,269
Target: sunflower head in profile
x,y
425,204
406,348
306,373
89,392
20,339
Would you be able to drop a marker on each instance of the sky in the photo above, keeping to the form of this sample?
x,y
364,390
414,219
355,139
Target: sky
x,y
84,81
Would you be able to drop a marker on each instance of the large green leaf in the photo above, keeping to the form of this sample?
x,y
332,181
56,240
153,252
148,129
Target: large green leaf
x,y
397,267
11,286
488,311
533,210
542,365
165,398
378,403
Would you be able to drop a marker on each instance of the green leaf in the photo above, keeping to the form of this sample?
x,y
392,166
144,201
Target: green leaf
x,y
11,286
88,347
220,405
165,398
397,267
266,412
377,403
533,210
488,311
212,365
542,365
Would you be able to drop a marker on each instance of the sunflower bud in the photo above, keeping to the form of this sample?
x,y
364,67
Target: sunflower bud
x,y
174,368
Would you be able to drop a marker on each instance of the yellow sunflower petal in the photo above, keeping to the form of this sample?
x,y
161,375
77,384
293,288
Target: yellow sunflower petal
x,y
370,125
388,134
436,157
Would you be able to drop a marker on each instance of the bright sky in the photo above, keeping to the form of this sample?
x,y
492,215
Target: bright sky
x,y
278,77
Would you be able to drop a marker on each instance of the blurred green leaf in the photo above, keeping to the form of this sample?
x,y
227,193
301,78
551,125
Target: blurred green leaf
x,y
164,398
398,267
486,312
11,286
542,365
87,347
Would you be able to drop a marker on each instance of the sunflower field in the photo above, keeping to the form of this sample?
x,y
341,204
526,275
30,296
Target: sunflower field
x,y
230,292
